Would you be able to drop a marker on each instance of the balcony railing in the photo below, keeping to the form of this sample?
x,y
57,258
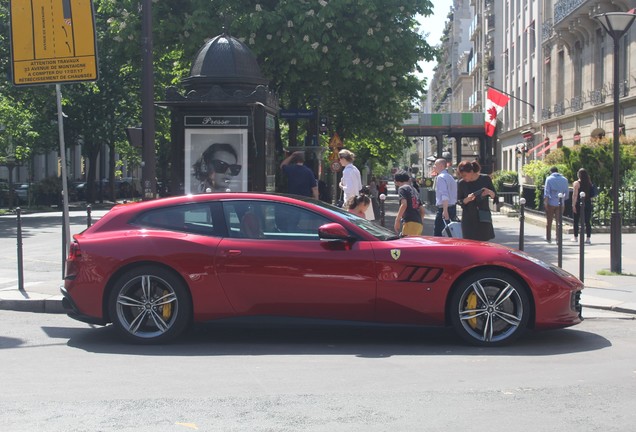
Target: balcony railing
x,y
563,8
559,109
546,114
597,97
576,103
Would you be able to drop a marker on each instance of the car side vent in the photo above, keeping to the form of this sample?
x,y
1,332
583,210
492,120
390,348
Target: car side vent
x,y
420,274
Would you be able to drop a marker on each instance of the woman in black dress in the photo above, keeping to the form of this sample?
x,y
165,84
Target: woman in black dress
x,y
473,191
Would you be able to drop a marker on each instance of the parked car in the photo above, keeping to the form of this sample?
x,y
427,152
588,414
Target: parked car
x,y
22,192
151,268
77,191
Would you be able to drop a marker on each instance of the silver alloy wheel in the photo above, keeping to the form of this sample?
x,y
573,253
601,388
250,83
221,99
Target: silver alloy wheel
x,y
147,306
491,310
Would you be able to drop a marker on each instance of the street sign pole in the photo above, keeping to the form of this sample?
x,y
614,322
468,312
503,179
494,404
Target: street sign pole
x,y
66,235
55,48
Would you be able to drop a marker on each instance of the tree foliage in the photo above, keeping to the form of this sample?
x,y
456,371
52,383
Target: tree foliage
x,y
353,59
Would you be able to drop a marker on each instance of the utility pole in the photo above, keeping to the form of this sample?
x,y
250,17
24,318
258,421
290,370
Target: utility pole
x,y
148,158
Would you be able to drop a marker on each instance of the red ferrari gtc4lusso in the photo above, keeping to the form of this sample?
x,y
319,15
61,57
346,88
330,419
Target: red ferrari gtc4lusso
x,y
152,268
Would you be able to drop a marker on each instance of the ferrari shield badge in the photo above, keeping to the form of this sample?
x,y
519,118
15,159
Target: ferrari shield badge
x,y
395,254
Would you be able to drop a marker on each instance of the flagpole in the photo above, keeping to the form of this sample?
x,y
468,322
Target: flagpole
x,y
511,96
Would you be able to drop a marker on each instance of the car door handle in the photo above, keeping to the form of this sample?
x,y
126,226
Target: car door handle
x,y
232,252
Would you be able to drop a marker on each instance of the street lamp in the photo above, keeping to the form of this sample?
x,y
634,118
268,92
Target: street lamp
x,y
149,168
616,25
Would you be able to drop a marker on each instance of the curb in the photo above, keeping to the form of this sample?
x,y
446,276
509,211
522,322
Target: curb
x,y
53,304
32,302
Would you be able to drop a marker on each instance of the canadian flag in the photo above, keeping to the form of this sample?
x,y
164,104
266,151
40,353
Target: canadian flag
x,y
494,104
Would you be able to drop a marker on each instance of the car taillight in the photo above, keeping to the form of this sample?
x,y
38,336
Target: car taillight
x,y
74,251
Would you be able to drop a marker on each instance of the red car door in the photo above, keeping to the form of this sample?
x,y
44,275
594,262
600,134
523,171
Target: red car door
x,y
273,263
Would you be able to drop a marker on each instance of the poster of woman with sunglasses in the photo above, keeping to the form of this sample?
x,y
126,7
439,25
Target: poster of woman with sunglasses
x,y
216,162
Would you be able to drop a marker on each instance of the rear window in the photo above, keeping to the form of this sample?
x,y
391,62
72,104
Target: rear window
x,y
191,218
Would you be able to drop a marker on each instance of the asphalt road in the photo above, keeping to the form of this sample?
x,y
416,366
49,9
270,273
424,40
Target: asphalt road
x,y
61,375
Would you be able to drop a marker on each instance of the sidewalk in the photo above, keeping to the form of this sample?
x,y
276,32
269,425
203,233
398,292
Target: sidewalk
x,y
43,260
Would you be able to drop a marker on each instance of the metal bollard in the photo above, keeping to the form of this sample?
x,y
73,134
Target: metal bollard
x,y
559,232
63,246
382,197
582,237
89,222
18,212
522,217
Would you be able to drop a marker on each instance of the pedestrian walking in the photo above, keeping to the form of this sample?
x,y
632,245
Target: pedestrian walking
x,y
555,184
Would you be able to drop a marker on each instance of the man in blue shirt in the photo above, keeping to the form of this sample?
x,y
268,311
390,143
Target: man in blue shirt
x,y
445,196
555,184
300,179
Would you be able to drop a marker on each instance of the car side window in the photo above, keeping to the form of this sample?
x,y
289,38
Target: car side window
x,y
271,221
192,218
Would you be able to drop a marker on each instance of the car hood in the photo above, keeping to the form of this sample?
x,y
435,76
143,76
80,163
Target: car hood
x,y
420,241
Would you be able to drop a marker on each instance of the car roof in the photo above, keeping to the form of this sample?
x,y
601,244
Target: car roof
x,y
130,209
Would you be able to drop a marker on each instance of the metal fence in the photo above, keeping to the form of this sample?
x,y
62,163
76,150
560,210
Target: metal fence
x,y
603,206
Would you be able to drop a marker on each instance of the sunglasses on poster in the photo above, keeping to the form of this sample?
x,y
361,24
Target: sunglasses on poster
x,y
221,167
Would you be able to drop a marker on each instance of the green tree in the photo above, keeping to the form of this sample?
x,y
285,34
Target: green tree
x,y
355,58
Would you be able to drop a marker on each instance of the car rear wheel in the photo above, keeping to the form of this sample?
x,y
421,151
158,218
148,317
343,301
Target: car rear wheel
x,y
149,305
490,308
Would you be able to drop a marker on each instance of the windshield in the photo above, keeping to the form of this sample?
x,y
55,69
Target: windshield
x,y
372,228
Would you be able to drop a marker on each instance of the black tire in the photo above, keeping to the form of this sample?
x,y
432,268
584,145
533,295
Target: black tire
x,y
149,305
490,308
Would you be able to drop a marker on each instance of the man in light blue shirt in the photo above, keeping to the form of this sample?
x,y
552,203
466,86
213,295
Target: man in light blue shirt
x,y
445,196
555,184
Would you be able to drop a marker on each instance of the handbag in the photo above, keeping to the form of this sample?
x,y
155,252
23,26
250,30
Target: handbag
x,y
340,201
452,229
485,216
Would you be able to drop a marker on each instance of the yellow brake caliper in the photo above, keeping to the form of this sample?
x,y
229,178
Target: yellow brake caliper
x,y
471,304
166,310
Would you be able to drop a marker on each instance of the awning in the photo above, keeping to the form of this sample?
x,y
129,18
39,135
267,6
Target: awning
x,y
542,143
552,144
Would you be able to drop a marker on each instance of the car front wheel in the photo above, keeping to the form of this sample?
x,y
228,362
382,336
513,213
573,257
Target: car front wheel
x,y
490,308
149,305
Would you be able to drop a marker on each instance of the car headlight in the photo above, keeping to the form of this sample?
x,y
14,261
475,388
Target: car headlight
x,y
559,271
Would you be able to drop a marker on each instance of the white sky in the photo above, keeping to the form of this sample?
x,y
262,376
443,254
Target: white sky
x,y
434,26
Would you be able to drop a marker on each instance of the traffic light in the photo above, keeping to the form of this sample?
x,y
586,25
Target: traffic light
x,y
324,125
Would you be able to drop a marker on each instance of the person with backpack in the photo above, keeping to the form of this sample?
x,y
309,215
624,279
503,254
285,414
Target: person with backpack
x,y
410,217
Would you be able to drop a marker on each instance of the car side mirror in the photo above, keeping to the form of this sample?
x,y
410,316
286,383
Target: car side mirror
x,y
333,231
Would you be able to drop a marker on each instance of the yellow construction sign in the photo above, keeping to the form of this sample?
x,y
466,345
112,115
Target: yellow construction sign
x,y
335,144
52,41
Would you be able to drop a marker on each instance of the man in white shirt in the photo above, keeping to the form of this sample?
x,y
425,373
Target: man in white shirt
x,y
445,196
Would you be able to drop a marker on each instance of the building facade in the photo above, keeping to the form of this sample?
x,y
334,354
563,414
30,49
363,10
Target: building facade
x,y
556,62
